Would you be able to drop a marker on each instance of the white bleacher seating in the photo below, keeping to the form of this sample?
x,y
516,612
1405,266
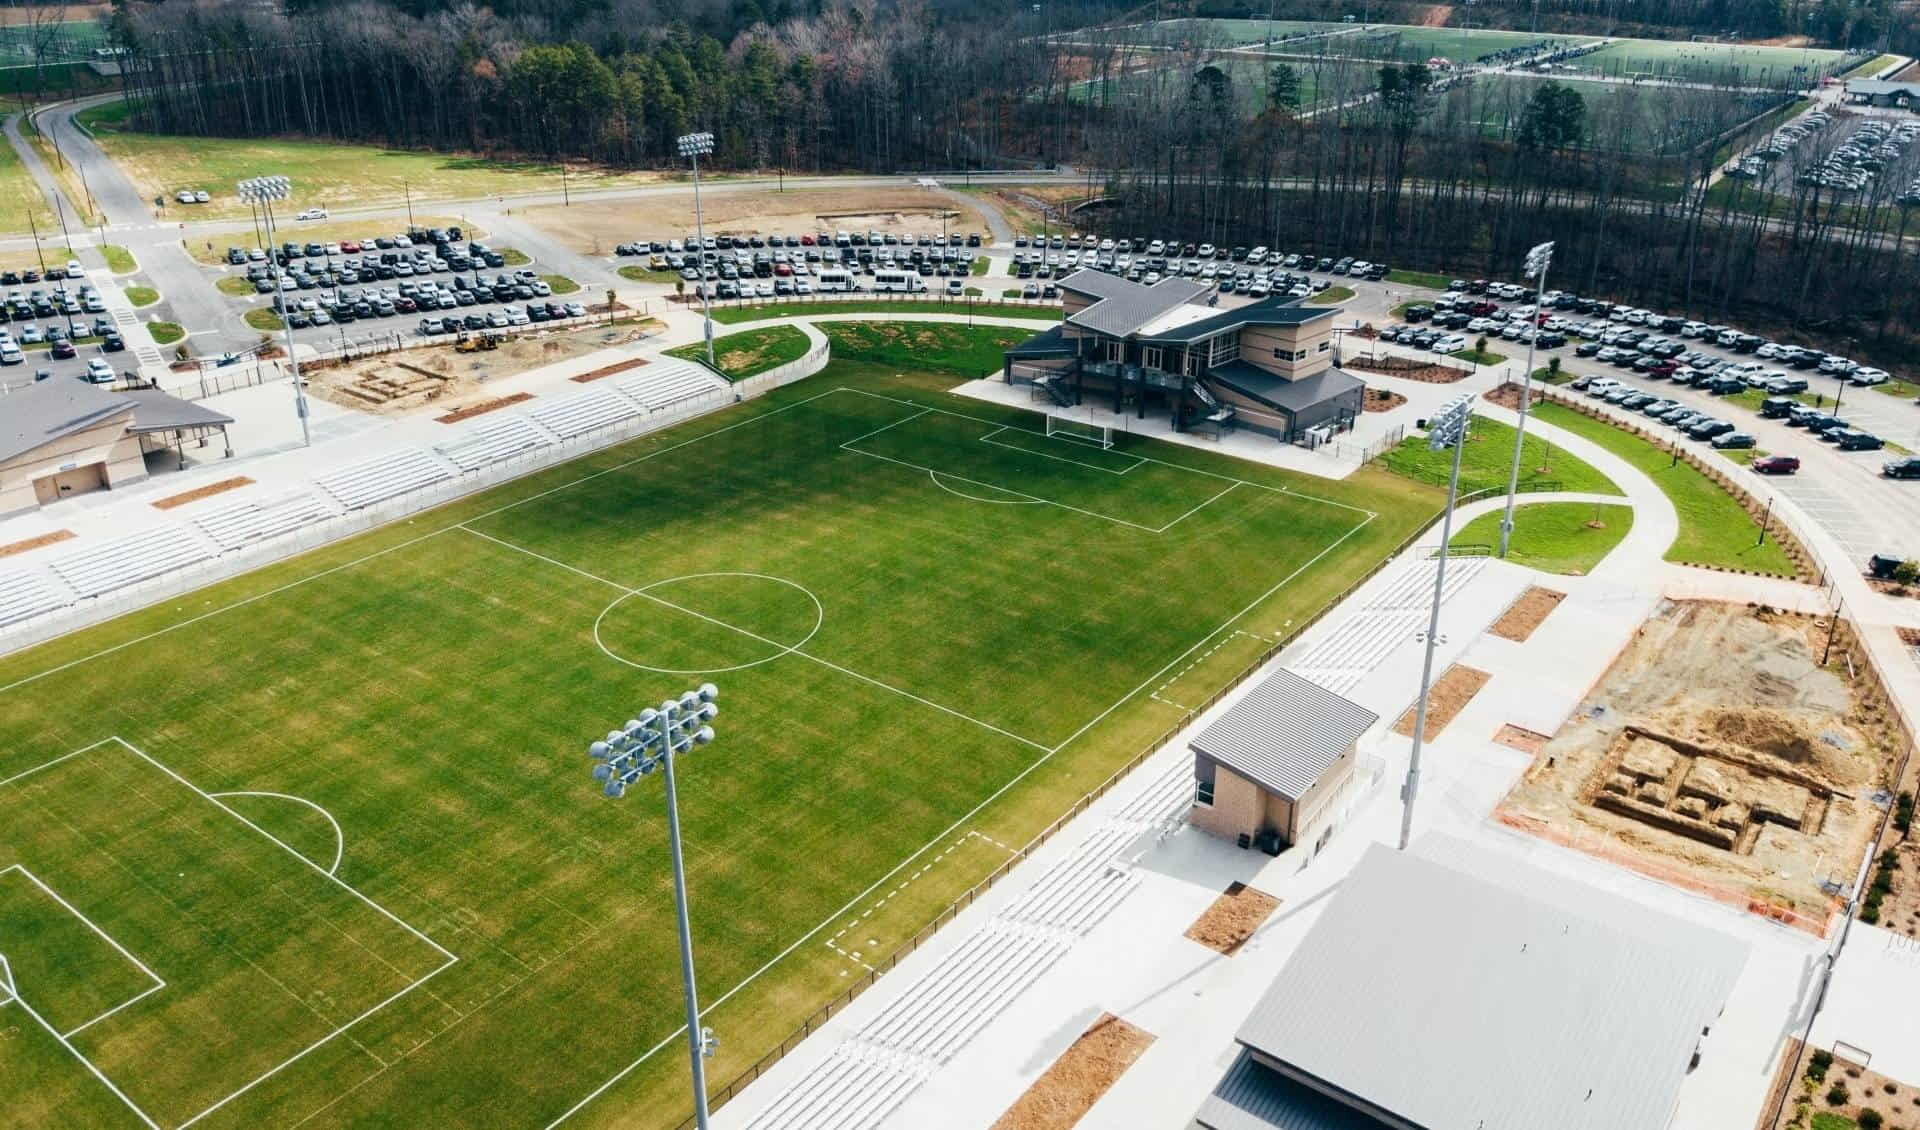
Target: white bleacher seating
x,y
24,594
1394,615
233,526
853,1090
130,559
577,415
664,384
388,476
492,440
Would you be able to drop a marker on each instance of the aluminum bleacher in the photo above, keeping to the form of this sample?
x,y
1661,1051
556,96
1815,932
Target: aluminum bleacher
x,y
492,440
1394,615
243,523
855,1089
667,383
131,559
26,593
379,479
578,415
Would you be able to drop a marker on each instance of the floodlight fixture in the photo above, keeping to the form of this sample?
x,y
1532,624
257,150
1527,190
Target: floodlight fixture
x,y
694,146
652,740
263,191
1539,258
1446,428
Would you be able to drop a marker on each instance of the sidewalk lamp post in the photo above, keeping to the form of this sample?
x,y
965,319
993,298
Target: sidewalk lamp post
x,y
263,191
1447,428
1538,260
694,146
654,740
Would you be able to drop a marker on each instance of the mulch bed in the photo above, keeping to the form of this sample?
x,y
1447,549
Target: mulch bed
x,y
1520,738
199,493
1232,919
608,370
1524,615
1894,588
1408,368
1380,400
1067,1090
482,407
1448,696
53,538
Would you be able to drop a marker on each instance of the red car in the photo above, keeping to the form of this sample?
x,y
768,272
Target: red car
x,y
350,247
1776,464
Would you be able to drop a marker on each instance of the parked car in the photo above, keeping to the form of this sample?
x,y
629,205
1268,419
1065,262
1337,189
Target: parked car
x,y
1853,439
1776,464
1727,441
312,214
1908,468
99,372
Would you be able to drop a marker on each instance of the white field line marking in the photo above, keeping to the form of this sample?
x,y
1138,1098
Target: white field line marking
x,y
935,476
1145,458
339,837
361,560
1009,490
209,798
1138,462
50,764
827,663
964,819
158,981
85,1062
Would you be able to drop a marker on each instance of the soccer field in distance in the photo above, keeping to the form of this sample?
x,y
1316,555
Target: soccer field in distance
x,y
318,846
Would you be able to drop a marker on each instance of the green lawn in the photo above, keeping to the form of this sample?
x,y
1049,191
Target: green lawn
x,y
147,296
980,265
1480,356
1548,375
967,350
1899,389
1332,295
19,194
1488,459
560,284
416,701
749,352
760,312
166,333
1714,529
236,285
324,174
119,260
1554,537
1827,1120
263,318
513,256
634,272
1420,278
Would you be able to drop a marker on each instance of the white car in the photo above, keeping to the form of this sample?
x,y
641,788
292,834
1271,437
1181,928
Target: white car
x,y
1864,377
1452,343
75,270
200,196
99,372
312,214
184,196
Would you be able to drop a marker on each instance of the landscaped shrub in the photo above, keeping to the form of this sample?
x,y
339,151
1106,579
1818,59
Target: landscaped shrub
x,y
1837,1094
1818,1063
1903,813
1869,1119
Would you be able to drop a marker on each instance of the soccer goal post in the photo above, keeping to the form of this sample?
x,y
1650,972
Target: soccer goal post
x,y
1079,431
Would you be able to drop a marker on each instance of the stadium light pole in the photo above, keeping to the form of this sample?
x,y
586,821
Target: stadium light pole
x,y
264,191
1448,428
651,741
1538,260
694,146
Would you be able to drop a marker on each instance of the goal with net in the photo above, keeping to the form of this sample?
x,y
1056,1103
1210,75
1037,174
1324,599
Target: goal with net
x,y
1079,431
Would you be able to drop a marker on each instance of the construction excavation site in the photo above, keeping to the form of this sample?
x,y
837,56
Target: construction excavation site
x,y
452,373
1718,754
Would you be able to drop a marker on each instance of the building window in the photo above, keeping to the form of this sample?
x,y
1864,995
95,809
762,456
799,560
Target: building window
x,y
1324,346
1223,348
1116,351
1203,793
1299,355
1150,357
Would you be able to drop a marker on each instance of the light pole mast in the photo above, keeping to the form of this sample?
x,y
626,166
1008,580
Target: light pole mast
x,y
1538,260
694,146
654,740
1448,428
264,191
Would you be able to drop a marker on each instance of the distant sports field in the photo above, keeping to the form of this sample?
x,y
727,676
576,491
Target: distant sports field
x,y
318,846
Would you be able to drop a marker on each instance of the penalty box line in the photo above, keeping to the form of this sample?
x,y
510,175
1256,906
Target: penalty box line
x,y
451,958
158,981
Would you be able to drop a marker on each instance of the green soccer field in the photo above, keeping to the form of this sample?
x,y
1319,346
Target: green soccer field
x,y
318,846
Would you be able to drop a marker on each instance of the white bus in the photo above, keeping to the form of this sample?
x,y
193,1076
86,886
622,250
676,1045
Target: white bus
x,y
908,281
833,278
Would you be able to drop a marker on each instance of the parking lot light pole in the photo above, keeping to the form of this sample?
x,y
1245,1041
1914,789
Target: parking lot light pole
x,y
654,740
1447,428
264,191
694,146
1538,260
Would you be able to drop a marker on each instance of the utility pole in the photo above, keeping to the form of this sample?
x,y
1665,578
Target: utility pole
x,y
1538,260
1448,428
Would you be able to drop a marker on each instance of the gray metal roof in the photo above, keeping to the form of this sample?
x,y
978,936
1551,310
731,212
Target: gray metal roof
x,y
1284,733
33,417
1048,344
1121,307
1278,310
1290,396
156,411
1252,1097
1501,999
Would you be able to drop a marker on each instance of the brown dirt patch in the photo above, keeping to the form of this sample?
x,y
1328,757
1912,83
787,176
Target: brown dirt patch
x,y
605,371
1231,920
1524,615
1447,697
1893,588
24,545
1068,1089
481,408
11,16
1521,738
1864,1089
1380,400
1437,15
596,227
1408,369
199,493
1717,754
